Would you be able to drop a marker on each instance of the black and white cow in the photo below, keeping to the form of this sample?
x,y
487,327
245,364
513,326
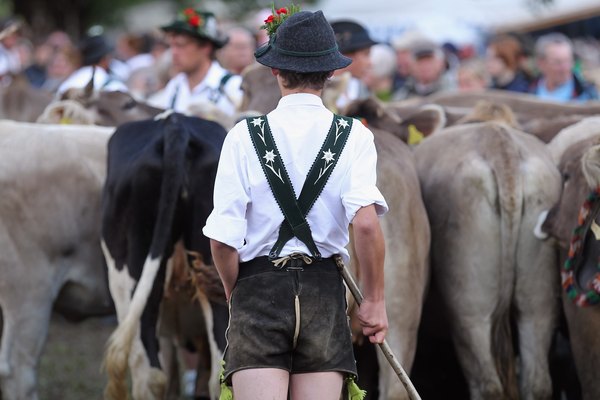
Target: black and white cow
x,y
158,191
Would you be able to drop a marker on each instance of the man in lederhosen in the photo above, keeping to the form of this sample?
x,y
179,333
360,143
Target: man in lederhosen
x,y
287,187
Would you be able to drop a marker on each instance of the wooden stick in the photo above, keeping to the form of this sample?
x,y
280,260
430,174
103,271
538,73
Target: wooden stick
x,y
384,347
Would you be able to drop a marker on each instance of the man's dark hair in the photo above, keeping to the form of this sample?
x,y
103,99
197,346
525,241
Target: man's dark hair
x,y
308,80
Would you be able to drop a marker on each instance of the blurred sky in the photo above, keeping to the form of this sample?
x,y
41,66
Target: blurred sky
x,y
458,21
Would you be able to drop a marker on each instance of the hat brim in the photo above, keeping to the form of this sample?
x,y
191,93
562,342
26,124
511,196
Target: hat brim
x,y
268,56
358,45
178,27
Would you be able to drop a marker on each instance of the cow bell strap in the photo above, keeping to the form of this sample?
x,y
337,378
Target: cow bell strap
x,y
295,210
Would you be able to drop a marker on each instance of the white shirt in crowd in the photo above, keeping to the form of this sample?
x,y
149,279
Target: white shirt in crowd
x,y
102,80
178,96
10,62
246,215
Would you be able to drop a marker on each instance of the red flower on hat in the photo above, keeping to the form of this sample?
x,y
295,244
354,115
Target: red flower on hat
x,y
277,17
189,12
194,20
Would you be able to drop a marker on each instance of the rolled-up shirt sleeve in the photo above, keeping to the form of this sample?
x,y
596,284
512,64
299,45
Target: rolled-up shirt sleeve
x,y
227,222
360,189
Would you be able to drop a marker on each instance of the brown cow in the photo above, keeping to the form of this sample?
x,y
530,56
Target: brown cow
x,y
484,186
541,118
581,174
407,238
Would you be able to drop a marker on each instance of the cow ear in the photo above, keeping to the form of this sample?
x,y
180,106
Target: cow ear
x,y
590,164
424,122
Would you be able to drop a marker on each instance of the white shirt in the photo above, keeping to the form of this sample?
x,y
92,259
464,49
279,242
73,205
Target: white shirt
x,y
10,62
102,80
246,215
178,96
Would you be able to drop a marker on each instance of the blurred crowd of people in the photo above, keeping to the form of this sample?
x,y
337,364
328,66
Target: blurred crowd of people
x,y
168,67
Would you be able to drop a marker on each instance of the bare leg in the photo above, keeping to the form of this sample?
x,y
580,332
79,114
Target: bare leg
x,y
261,384
316,385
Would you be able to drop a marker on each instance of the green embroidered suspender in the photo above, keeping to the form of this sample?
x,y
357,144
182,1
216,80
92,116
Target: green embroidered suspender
x,y
295,210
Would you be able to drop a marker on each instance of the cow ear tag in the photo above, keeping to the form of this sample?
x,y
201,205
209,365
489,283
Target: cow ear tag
x,y
414,135
596,230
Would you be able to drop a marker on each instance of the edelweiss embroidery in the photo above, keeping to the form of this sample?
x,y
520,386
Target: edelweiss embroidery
x,y
259,122
339,126
328,157
270,159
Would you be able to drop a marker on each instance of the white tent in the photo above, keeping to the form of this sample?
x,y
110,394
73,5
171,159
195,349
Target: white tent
x,y
458,21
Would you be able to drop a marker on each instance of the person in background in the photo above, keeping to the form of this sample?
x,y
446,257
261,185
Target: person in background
x,y
238,53
354,42
557,80
134,49
37,72
428,72
96,57
472,76
380,78
403,46
194,40
10,58
64,62
503,63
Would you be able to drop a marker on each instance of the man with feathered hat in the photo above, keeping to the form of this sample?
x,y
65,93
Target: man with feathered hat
x,y
193,38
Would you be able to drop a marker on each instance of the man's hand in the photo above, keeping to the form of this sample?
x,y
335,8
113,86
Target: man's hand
x,y
226,260
373,319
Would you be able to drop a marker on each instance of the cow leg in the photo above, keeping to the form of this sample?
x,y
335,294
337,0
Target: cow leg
x,y
406,275
215,353
24,334
536,303
467,272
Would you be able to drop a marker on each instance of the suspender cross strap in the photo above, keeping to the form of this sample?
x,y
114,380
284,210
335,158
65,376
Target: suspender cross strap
x,y
295,209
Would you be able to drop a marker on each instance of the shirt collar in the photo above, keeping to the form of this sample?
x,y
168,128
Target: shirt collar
x,y
300,99
212,79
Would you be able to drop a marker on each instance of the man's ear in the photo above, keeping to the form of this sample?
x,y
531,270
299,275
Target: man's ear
x,y
274,71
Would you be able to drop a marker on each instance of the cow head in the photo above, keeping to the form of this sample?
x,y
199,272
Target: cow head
x,y
398,120
580,169
110,108
261,92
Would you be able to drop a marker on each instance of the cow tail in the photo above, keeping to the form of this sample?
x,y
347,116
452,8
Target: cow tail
x,y
504,156
119,344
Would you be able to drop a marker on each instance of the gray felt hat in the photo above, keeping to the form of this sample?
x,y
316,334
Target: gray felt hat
x,y
304,43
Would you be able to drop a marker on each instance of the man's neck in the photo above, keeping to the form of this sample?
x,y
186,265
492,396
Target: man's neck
x,y
198,75
285,91
553,85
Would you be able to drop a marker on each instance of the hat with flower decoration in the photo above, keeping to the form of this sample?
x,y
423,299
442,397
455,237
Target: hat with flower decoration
x,y
198,24
300,41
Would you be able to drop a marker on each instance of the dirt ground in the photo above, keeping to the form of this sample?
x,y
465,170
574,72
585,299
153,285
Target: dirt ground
x,y
70,365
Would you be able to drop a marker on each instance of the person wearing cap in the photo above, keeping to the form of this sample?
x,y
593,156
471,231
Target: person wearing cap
x,y
96,56
288,327
428,72
194,39
354,42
